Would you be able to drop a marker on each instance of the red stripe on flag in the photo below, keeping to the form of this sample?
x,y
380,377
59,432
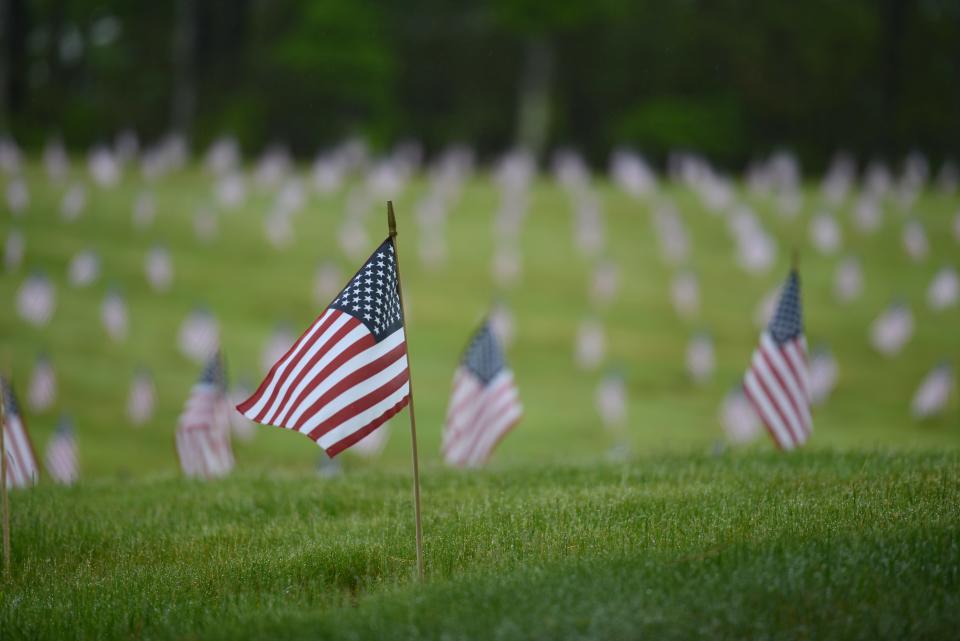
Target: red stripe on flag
x,y
361,404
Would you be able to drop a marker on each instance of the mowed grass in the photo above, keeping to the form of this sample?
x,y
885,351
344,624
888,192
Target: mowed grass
x,y
251,286
810,546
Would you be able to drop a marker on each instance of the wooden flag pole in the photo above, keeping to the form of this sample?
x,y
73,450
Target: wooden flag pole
x,y
392,224
3,481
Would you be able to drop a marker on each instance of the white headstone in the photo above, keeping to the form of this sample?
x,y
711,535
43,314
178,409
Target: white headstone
x,y
159,268
700,358
944,289
685,294
848,280
276,347
738,418
84,268
199,336
611,401
915,240
18,196
892,329
823,375
36,300
328,282
113,315
73,203
502,324
142,399
14,249
591,345
144,210
932,396
825,234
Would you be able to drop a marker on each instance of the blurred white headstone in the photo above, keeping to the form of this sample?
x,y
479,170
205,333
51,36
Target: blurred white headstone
x,y
685,294
113,315
848,280
671,234
823,375
502,324
915,240
277,345
591,345
328,174
142,399
605,282
632,174
18,196
611,401
144,210
944,289
14,249
73,203
839,179
84,268
42,391
371,445
241,426
932,396
272,167
205,226
328,282
36,299
867,214
353,239
948,178
55,160
700,358
222,156
738,418
159,268
507,265
103,167
10,156
892,329
825,234
231,191
199,336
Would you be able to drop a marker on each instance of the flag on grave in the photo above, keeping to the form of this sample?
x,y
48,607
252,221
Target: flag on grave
x,y
777,381
22,467
484,405
347,374
62,454
203,431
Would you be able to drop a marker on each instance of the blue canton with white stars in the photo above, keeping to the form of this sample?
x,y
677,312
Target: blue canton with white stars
x,y
483,356
372,296
9,398
787,323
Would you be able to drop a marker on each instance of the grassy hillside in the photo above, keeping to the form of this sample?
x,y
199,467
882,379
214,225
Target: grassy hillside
x,y
251,286
817,545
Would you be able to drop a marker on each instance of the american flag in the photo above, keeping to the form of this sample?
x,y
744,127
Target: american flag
x,y
347,374
484,405
203,431
777,382
62,454
22,467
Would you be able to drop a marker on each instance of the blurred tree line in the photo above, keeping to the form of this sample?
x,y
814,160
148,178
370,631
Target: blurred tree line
x,y
730,78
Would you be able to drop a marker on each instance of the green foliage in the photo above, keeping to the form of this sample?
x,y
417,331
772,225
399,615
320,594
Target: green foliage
x,y
831,546
878,78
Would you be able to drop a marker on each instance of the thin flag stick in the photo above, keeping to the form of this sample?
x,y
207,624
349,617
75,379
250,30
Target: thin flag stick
x,y
3,483
392,223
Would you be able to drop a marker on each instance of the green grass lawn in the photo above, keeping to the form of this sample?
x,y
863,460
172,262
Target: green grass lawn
x,y
251,286
809,546
856,537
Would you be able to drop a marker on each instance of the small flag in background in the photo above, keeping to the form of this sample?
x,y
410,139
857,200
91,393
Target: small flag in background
x,y
777,381
203,431
347,374
484,405
22,467
62,454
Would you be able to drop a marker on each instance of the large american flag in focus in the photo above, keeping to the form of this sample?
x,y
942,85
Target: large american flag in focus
x,y
203,431
777,382
347,374
484,404
22,467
